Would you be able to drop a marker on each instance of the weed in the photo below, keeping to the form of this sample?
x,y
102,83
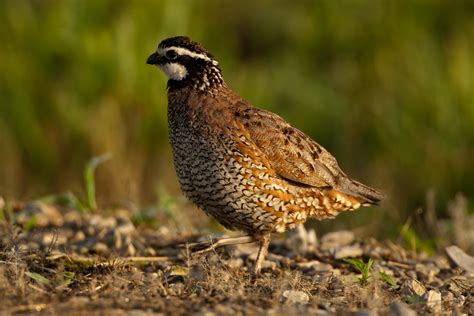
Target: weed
x,y
38,278
413,299
30,224
68,200
5,211
417,244
387,279
89,171
363,268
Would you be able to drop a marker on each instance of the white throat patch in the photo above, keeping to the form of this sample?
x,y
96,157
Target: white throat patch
x,y
174,71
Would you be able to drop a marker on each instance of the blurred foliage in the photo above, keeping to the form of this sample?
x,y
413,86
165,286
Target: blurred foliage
x,y
386,86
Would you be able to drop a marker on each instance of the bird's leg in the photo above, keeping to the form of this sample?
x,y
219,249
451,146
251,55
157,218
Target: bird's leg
x,y
262,252
213,244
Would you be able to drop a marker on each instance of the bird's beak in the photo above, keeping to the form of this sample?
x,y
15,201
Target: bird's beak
x,y
154,59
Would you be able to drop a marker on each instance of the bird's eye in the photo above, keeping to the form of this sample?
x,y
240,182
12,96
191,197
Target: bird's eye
x,y
171,55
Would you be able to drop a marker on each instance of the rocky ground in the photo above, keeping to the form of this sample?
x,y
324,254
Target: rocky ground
x,y
57,260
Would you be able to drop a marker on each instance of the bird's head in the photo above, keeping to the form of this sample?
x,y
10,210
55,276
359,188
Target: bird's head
x,y
186,62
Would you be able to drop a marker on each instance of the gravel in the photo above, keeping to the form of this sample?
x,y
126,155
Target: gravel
x,y
57,260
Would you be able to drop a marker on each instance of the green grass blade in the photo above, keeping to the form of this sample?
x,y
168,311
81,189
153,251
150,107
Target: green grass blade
x,y
89,182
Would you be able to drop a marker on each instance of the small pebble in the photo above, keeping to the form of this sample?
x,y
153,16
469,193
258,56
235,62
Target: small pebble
x,y
117,240
292,297
150,251
398,308
100,248
348,252
235,263
433,301
413,287
460,258
315,265
365,313
72,218
131,250
79,236
337,239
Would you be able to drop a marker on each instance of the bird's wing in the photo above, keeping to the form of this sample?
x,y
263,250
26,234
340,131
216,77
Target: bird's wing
x,y
291,153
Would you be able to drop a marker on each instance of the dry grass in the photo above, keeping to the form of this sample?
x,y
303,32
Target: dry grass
x,y
41,270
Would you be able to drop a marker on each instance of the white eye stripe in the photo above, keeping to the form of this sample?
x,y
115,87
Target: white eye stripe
x,y
187,52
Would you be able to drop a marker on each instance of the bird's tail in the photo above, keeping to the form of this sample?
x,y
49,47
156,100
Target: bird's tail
x,y
361,192
348,196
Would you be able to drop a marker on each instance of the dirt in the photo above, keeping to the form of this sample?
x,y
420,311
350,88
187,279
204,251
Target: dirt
x,y
56,260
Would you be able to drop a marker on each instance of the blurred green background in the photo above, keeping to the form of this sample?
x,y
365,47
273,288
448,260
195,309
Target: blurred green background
x,y
386,86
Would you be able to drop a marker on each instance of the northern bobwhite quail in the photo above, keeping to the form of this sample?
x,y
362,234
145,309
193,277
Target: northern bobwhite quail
x,y
246,167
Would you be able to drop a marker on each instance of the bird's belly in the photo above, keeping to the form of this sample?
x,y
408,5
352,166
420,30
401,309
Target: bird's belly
x,y
206,179
239,191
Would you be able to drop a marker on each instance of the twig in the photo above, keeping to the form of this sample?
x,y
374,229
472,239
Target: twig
x,y
148,259
30,307
38,289
213,244
399,265
88,260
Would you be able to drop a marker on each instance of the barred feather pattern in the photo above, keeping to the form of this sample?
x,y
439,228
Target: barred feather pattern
x,y
251,170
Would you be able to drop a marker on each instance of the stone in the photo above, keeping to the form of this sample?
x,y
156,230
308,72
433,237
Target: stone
x,y
100,248
269,265
149,251
398,308
72,218
235,263
460,258
433,301
292,297
337,239
301,240
131,250
413,287
365,313
348,252
102,222
125,227
79,236
459,285
427,271
54,239
44,215
314,265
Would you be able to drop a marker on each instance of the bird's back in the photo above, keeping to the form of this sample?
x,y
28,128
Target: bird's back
x,y
250,169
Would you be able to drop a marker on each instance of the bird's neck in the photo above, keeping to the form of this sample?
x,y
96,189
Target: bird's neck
x,y
187,103
208,81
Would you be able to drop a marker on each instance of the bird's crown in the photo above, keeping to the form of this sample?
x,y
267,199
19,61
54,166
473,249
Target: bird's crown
x,y
187,63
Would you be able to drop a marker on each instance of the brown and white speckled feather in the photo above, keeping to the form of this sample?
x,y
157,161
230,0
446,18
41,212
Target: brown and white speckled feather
x,y
244,166
296,157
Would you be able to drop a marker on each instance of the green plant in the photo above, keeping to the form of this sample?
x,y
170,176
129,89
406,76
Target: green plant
x,y
363,268
66,199
89,172
412,240
38,278
30,223
62,279
387,279
413,299
5,211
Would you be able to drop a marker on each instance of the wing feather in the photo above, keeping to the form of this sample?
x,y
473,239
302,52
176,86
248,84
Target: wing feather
x,y
291,153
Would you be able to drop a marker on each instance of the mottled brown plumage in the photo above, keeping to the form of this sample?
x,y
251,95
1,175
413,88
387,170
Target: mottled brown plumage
x,y
246,167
